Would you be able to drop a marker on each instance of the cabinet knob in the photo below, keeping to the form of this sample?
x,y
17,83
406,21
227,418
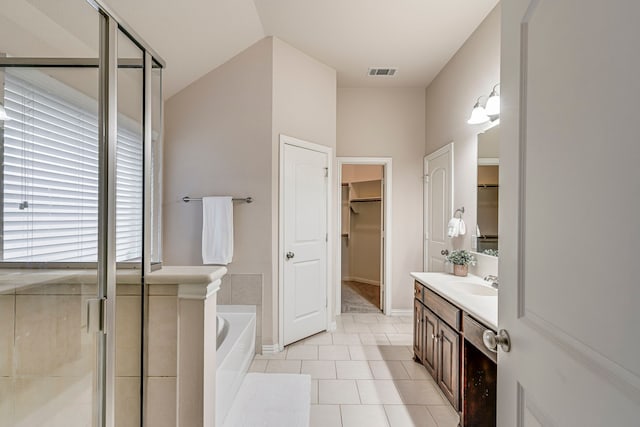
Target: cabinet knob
x,y
290,255
492,340
444,252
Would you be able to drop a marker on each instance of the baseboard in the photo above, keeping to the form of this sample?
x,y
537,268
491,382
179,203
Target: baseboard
x,y
332,326
271,348
361,280
401,312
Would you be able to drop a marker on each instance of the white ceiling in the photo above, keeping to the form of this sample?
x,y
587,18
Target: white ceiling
x,y
417,36
196,36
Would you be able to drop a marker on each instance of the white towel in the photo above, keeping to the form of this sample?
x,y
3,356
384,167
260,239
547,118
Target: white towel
x,y
456,227
217,230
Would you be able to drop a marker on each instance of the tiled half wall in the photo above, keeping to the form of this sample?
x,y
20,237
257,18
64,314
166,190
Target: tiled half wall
x,y
244,289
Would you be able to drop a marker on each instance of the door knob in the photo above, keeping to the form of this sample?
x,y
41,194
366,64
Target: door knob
x,y
290,255
492,340
444,252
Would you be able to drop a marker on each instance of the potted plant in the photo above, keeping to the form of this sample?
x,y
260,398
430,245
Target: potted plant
x,y
461,259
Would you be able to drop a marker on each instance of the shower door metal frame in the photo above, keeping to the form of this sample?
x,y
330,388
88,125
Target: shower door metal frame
x,y
108,65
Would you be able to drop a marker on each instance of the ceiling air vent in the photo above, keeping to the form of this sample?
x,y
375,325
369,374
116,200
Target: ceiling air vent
x,y
382,71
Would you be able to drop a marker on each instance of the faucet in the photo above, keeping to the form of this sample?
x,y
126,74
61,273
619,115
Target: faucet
x,y
493,279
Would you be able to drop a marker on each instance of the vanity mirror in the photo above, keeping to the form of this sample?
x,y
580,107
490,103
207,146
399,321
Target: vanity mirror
x,y
487,192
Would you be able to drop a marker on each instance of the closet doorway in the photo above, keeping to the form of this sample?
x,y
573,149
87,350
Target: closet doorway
x,y
364,243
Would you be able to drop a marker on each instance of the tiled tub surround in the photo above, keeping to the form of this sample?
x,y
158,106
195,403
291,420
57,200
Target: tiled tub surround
x,y
244,289
363,375
47,357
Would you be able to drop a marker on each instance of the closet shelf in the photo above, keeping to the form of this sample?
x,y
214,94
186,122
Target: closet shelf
x,y
366,199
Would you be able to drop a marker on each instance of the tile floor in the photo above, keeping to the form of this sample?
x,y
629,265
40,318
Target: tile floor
x,y
363,375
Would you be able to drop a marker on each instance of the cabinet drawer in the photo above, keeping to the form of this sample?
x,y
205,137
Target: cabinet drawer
x,y
473,331
417,291
443,308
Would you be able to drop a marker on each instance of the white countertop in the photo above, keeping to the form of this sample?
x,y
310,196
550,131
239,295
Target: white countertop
x,y
482,307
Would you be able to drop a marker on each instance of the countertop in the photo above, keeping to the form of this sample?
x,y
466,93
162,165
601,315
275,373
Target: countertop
x,y
484,308
13,279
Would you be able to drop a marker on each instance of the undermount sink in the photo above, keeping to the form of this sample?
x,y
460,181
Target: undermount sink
x,y
475,289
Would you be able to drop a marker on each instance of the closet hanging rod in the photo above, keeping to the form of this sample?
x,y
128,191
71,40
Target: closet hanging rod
x,y
188,199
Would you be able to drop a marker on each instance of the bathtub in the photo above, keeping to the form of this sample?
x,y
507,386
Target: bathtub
x,y
236,346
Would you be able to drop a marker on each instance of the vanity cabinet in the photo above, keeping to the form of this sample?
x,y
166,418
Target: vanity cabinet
x,y
448,328
437,340
418,332
430,354
449,362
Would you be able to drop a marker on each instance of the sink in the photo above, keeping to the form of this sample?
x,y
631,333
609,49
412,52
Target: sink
x,y
475,289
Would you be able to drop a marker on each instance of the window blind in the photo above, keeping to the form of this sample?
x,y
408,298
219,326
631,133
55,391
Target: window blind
x,y
50,178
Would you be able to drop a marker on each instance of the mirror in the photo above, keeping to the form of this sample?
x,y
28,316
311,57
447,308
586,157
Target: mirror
x,y
487,193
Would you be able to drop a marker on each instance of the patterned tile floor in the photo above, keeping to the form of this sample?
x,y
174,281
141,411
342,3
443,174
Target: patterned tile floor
x,y
363,375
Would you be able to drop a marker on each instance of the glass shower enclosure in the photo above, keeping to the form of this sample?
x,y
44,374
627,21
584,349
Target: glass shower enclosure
x,y
80,166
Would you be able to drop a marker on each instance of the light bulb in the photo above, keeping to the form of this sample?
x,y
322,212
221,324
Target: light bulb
x,y
478,115
493,105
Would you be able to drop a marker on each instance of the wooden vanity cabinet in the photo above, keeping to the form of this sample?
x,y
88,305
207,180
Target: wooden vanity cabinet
x,y
437,340
418,333
431,333
449,363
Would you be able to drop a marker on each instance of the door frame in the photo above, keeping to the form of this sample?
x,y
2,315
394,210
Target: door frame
x,y
387,165
425,200
295,142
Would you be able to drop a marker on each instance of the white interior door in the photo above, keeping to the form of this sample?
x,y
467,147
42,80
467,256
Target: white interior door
x,y
438,196
569,210
382,260
305,242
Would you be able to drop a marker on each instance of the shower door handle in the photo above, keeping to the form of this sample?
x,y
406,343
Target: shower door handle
x,y
290,255
95,314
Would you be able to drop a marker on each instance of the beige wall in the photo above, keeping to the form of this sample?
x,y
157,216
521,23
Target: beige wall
x,y
218,142
359,173
361,254
472,72
222,138
390,122
364,244
304,107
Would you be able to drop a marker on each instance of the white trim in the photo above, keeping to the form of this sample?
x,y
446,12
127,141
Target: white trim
x,y
272,348
425,200
387,164
401,312
488,161
198,291
288,140
333,325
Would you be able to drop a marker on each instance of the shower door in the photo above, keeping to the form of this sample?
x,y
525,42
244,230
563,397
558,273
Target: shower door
x,y
72,185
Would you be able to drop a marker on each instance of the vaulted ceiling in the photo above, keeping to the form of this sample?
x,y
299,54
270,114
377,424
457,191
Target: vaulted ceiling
x,y
196,36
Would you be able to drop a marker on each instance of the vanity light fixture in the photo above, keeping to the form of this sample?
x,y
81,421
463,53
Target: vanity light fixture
x,y
478,115
493,103
3,114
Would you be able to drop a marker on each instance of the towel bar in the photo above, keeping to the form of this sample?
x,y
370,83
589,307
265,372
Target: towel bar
x,y
188,199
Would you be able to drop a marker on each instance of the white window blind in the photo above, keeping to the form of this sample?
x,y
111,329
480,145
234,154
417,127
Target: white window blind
x,y
50,178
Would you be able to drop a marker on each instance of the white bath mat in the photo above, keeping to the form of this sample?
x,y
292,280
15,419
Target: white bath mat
x,y
271,400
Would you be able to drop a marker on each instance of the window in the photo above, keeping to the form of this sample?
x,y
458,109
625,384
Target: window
x,y
50,174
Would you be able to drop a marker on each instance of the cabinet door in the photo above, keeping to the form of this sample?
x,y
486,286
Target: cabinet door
x,y
418,330
449,363
430,355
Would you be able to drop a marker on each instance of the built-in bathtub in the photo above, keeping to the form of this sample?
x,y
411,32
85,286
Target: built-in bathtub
x,y
236,337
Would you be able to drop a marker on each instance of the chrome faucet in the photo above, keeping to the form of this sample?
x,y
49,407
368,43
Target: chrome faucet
x,y
493,280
